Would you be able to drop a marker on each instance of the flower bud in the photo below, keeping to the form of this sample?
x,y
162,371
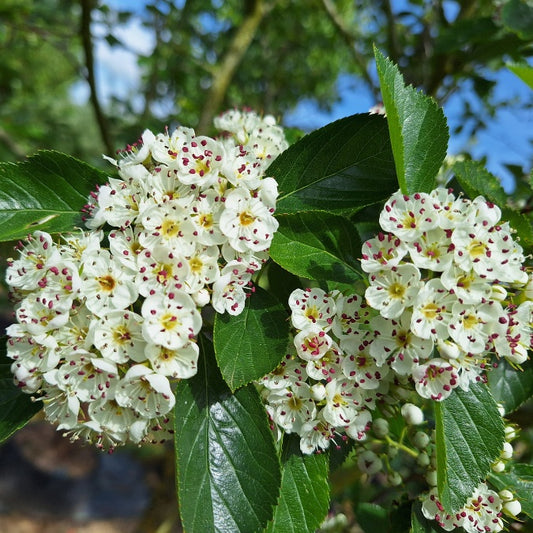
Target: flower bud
x,y
448,349
510,433
512,508
201,298
431,478
506,495
380,427
501,409
318,392
420,440
412,414
369,463
498,467
423,459
507,451
394,479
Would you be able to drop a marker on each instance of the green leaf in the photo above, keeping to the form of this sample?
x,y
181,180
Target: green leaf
x,y
16,407
317,245
511,387
417,127
469,438
474,179
517,15
524,72
340,168
519,480
304,500
228,470
46,192
250,345
372,517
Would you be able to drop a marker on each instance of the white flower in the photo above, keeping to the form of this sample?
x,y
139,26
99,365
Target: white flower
x,y
408,217
362,368
392,291
432,311
229,289
312,308
118,336
313,343
394,341
161,271
315,435
368,462
170,320
432,250
168,225
36,257
200,160
106,285
148,393
435,380
382,252
343,402
471,325
291,408
247,222
179,364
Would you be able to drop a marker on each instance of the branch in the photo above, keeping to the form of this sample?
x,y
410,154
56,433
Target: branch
x,y
226,70
86,37
350,39
392,38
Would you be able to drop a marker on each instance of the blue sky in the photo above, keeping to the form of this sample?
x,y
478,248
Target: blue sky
x,y
506,140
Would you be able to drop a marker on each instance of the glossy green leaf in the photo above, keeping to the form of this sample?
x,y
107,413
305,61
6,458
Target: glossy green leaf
x,y
517,15
340,168
474,179
524,72
469,438
304,500
519,480
317,245
417,127
511,387
250,345
46,192
16,407
228,470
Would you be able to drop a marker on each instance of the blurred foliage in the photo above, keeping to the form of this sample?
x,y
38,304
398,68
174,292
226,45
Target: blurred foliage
x,y
269,55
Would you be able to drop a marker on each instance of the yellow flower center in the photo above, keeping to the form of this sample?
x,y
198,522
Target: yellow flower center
x,y
107,283
246,218
396,290
169,321
170,228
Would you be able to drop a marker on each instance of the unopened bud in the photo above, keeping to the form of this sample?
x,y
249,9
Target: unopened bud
x,y
507,451
420,440
380,427
412,414
431,478
201,298
394,479
510,433
498,467
513,508
369,463
318,392
423,459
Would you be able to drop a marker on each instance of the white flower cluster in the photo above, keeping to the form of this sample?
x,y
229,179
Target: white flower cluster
x,y
446,278
447,290
481,513
330,382
107,319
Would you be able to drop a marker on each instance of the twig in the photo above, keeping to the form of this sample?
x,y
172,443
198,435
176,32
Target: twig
x,y
86,37
350,39
224,73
